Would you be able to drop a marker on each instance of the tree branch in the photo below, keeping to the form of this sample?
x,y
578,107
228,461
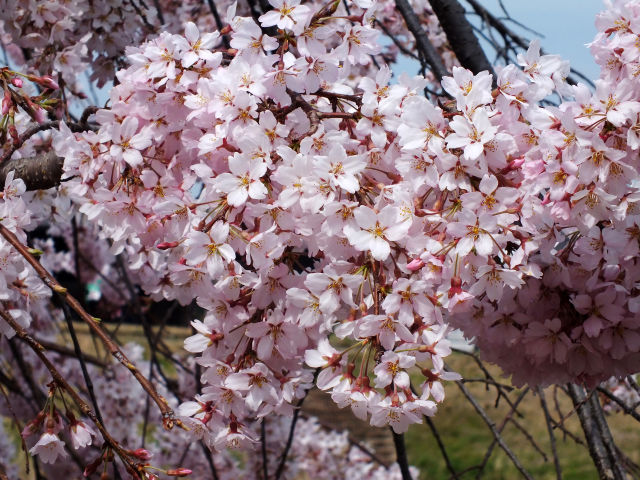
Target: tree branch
x,y
39,172
461,37
494,431
401,455
597,448
552,437
287,447
168,416
426,48
62,383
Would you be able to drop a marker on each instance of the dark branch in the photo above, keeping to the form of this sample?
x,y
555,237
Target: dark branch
x,y
401,455
597,449
425,47
441,446
494,431
287,447
510,36
552,437
461,37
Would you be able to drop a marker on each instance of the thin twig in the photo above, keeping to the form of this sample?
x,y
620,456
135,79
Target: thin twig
x,y
552,437
83,365
530,438
63,384
168,416
625,408
218,20
494,431
443,451
16,422
292,428
500,429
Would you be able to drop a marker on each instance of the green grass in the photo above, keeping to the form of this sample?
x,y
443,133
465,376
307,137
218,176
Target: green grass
x,y
466,436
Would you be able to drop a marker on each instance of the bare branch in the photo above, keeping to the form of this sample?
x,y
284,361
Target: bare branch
x,y
601,455
625,408
552,437
443,451
63,384
401,455
500,429
494,431
287,447
426,48
510,35
168,416
461,37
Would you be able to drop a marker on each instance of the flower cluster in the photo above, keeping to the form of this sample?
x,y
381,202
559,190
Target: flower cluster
x,y
292,206
332,227
279,220
577,233
68,36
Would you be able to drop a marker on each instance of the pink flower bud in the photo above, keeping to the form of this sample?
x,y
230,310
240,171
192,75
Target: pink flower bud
x,y
17,82
141,453
6,102
92,467
415,265
166,245
48,82
456,286
33,426
179,472
14,133
38,114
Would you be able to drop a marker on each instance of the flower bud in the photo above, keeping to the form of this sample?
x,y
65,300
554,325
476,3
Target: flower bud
x,y
47,81
17,82
6,102
33,426
415,265
39,114
456,286
179,472
166,245
92,467
141,453
14,133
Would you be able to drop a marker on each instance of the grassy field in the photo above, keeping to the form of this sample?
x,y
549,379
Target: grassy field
x,y
466,436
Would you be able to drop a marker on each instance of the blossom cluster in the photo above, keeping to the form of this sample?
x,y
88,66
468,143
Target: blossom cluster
x,y
68,36
293,206
234,182
577,319
333,227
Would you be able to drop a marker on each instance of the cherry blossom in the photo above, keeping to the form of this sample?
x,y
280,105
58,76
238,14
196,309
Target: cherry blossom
x,y
272,177
48,448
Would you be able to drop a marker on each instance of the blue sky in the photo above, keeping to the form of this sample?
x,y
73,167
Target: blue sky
x,y
565,25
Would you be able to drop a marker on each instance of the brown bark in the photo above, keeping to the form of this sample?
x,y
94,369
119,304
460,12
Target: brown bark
x,y
38,173
460,34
